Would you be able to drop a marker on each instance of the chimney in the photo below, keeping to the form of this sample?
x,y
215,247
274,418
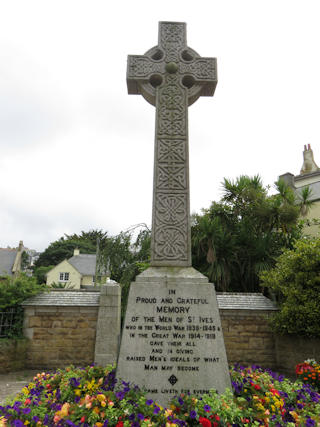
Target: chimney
x,y
76,251
309,165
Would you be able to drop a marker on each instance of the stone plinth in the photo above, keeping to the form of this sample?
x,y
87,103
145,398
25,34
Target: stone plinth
x,y
172,340
108,325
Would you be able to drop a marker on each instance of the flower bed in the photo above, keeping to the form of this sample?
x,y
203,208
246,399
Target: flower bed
x,y
90,397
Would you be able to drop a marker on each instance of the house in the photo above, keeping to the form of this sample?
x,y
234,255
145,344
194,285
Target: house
x,y
10,261
309,177
75,272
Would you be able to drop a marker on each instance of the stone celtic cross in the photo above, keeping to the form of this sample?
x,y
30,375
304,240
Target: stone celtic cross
x,y
171,76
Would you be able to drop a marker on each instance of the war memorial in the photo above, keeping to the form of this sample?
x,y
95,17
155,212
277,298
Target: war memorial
x,y
172,340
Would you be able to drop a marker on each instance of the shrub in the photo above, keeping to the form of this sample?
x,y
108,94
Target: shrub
x,y
296,281
15,290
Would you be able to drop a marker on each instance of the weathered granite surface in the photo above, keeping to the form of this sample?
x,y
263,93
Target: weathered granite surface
x,y
172,340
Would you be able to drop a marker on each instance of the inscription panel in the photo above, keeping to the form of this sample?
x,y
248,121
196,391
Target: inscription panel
x,y
172,340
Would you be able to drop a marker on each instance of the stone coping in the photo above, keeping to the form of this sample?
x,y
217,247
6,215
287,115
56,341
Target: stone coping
x,y
244,301
80,298
64,298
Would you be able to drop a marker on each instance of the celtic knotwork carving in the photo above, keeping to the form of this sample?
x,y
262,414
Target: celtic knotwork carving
x,y
204,68
172,39
171,177
171,243
142,67
172,108
171,150
171,209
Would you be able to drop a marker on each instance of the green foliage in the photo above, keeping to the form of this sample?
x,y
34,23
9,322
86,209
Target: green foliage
x,y
14,291
296,280
60,285
237,238
63,249
40,273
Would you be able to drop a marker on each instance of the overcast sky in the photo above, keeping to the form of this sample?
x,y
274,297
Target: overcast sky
x,y
76,151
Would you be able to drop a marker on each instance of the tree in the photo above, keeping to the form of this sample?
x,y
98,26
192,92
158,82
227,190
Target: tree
x,y
63,249
237,238
296,279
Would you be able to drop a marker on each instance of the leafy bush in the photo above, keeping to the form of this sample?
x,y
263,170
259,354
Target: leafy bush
x,y
90,397
296,281
14,291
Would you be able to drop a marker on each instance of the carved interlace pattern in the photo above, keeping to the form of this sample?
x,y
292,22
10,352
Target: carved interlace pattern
x,y
171,216
172,39
143,67
204,68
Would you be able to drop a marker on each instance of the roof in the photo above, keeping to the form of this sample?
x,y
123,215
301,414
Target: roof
x,y
7,258
226,301
65,298
244,301
84,263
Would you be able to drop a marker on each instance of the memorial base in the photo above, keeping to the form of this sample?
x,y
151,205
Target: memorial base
x,y
172,340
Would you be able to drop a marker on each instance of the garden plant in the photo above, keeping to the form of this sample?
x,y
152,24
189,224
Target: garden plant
x,y
91,397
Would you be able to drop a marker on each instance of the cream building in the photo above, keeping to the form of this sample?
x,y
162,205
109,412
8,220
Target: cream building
x,y
309,177
75,272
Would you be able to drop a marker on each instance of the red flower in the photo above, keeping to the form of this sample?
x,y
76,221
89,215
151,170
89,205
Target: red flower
x,y
257,387
27,401
205,422
82,420
120,424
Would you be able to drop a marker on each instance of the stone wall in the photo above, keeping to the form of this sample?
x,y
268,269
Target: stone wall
x,y
291,350
12,354
62,330
73,327
60,336
248,338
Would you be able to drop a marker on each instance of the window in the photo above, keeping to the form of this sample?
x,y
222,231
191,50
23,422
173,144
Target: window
x,y
64,277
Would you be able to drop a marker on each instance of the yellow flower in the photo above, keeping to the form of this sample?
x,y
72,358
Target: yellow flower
x,y
103,404
168,413
98,424
3,422
25,391
77,392
101,397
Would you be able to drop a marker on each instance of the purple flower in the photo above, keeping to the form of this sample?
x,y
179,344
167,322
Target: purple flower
x,y
149,402
17,423
180,401
207,408
156,410
140,416
120,395
193,415
74,382
310,422
26,410
131,417
35,418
